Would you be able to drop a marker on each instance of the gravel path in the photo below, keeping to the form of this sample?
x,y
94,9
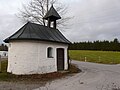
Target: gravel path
x,y
93,77
18,86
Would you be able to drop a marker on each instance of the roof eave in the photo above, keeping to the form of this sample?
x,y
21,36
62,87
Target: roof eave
x,y
11,40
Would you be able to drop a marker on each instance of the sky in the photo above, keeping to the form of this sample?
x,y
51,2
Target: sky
x,y
92,19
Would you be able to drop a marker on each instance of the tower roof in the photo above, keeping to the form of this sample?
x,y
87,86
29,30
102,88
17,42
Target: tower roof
x,y
52,14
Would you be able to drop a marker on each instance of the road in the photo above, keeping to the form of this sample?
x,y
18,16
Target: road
x,y
93,77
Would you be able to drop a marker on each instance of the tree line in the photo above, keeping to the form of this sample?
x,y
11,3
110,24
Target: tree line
x,y
3,47
97,45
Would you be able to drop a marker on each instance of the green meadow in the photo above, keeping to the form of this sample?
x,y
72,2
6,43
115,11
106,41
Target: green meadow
x,y
104,57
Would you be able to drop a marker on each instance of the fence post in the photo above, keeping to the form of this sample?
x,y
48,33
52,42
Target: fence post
x,y
99,58
0,64
85,59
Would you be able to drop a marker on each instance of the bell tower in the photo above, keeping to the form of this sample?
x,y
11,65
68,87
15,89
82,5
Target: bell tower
x,y
51,16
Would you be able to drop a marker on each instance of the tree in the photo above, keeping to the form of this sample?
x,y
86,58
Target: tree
x,y
36,10
3,47
96,45
115,40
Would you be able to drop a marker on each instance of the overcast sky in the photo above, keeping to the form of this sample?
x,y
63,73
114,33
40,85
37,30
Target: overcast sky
x,y
93,19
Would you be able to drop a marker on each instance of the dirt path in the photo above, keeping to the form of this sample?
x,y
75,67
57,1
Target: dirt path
x,y
93,77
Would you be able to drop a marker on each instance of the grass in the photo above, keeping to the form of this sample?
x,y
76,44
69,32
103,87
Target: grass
x,y
104,57
4,64
3,75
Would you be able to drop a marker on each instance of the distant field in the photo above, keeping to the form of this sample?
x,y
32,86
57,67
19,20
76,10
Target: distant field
x,y
105,57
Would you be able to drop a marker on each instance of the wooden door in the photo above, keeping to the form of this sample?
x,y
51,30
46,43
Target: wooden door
x,y
60,59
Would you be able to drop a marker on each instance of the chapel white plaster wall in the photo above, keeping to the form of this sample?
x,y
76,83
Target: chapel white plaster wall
x,y
30,57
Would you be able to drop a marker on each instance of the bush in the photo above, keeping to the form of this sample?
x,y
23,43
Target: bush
x,y
74,69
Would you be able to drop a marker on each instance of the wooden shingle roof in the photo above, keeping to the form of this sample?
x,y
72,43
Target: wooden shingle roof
x,y
32,31
52,13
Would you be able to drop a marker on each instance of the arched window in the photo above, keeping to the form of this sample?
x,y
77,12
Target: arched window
x,y
50,52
